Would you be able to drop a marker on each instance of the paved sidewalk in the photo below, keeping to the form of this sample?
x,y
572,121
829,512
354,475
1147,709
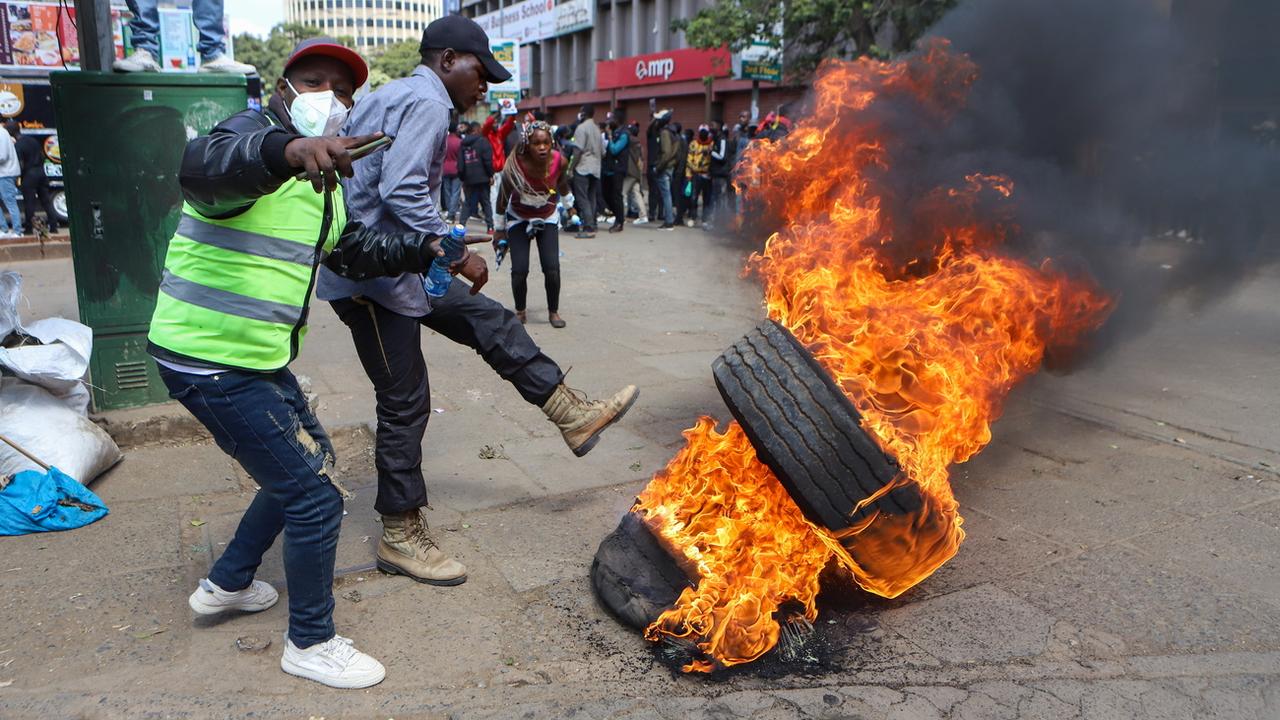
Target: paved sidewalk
x,y
1120,562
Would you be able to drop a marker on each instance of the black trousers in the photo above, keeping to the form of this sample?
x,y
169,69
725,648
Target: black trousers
x,y
679,200
36,187
585,188
655,197
390,349
518,244
701,198
613,197
477,194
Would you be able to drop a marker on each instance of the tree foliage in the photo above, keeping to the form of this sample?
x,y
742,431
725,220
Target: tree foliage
x,y
268,54
393,61
812,30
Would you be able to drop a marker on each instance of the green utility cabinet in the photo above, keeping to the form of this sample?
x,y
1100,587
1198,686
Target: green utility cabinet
x,y
122,138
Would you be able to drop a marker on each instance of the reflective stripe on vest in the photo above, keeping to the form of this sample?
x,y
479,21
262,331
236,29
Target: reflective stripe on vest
x,y
235,292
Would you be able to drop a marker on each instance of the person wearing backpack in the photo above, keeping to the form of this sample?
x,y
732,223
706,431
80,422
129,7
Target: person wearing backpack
x,y
614,170
475,167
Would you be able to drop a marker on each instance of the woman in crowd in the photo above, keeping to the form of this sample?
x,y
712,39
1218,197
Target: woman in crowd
x,y
534,180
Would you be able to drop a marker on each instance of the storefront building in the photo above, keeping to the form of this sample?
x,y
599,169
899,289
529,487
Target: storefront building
x,y
619,54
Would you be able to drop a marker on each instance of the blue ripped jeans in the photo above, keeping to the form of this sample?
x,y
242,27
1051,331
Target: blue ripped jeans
x,y
263,421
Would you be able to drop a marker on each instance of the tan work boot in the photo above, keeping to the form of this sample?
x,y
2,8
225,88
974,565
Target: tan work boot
x,y
581,420
406,548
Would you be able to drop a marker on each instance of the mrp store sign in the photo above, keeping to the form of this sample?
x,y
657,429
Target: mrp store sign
x,y
657,68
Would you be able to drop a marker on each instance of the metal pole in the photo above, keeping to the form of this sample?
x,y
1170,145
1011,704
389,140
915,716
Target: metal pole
x,y
93,25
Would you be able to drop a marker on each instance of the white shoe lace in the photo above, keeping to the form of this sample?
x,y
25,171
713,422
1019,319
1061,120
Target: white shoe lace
x,y
340,649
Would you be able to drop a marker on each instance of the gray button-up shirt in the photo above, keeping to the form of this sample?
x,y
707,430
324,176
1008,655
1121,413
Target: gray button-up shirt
x,y
395,190
591,143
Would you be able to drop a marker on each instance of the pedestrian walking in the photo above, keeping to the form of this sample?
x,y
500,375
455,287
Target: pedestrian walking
x,y
10,171
144,34
533,182
613,171
451,182
396,190
475,167
586,171
35,184
633,185
231,315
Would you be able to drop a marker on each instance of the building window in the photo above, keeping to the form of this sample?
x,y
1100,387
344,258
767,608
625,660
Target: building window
x,y
368,22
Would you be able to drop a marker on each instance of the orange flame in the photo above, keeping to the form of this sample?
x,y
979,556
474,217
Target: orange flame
x,y
926,348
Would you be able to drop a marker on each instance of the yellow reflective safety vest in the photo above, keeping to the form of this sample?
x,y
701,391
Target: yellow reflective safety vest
x,y
235,292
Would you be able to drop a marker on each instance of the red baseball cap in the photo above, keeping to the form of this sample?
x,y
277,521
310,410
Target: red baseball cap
x,y
328,47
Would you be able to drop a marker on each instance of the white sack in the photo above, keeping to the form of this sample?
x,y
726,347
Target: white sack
x,y
44,426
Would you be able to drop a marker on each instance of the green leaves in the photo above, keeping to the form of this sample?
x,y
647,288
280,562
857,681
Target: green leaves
x,y
813,30
393,61
268,54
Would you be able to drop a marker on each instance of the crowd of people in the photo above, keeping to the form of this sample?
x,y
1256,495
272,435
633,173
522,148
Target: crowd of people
x,y
672,175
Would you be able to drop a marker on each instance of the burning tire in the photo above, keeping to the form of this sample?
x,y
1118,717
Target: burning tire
x,y
806,430
633,575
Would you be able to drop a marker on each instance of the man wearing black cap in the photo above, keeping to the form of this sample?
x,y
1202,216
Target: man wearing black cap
x,y
396,191
231,315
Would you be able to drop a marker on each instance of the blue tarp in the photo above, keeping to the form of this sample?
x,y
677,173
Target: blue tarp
x,y
45,501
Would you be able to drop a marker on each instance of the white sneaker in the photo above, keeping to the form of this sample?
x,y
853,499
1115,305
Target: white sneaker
x,y
224,64
209,599
138,61
641,221
336,663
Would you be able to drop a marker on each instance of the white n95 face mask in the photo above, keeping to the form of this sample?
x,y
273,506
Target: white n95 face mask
x,y
317,113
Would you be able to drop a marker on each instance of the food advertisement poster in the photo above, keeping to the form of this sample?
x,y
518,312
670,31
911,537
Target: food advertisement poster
x,y
43,35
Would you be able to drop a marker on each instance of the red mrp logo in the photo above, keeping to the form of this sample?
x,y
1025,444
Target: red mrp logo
x,y
661,68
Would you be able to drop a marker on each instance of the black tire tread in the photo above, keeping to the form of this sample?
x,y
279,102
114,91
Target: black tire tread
x,y
806,430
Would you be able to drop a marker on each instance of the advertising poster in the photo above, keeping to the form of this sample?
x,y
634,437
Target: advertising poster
x,y
43,35
534,20
177,41
507,94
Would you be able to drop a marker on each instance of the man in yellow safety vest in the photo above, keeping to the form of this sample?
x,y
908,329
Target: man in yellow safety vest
x,y
232,313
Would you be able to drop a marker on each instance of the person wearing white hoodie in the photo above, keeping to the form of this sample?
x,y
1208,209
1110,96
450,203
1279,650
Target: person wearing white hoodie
x,y
9,172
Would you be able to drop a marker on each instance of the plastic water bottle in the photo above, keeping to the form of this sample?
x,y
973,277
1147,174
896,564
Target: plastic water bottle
x,y
502,250
438,277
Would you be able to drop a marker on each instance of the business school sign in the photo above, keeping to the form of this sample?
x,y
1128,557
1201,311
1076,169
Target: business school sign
x,y
534,20
655,68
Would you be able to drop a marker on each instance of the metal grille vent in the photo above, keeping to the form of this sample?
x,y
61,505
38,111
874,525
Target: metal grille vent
x,y
131,375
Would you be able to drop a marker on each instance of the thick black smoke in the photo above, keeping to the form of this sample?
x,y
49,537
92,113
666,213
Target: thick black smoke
x,y
1113,119
1140,144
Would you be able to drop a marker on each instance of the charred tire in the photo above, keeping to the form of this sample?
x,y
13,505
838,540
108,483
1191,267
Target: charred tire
x,y
633,575
806,430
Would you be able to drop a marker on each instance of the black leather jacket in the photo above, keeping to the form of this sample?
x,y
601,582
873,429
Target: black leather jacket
x,y
242,159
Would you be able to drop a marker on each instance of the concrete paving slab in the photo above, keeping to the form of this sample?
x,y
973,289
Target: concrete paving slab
x,y
150,472
620,456
1152,605
537,543
1238,553
980,624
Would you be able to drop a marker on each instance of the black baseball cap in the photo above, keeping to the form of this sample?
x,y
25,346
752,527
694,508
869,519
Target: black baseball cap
x,y
462,34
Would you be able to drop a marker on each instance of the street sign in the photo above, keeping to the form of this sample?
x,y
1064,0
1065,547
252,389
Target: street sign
x,y
506,94
758,61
